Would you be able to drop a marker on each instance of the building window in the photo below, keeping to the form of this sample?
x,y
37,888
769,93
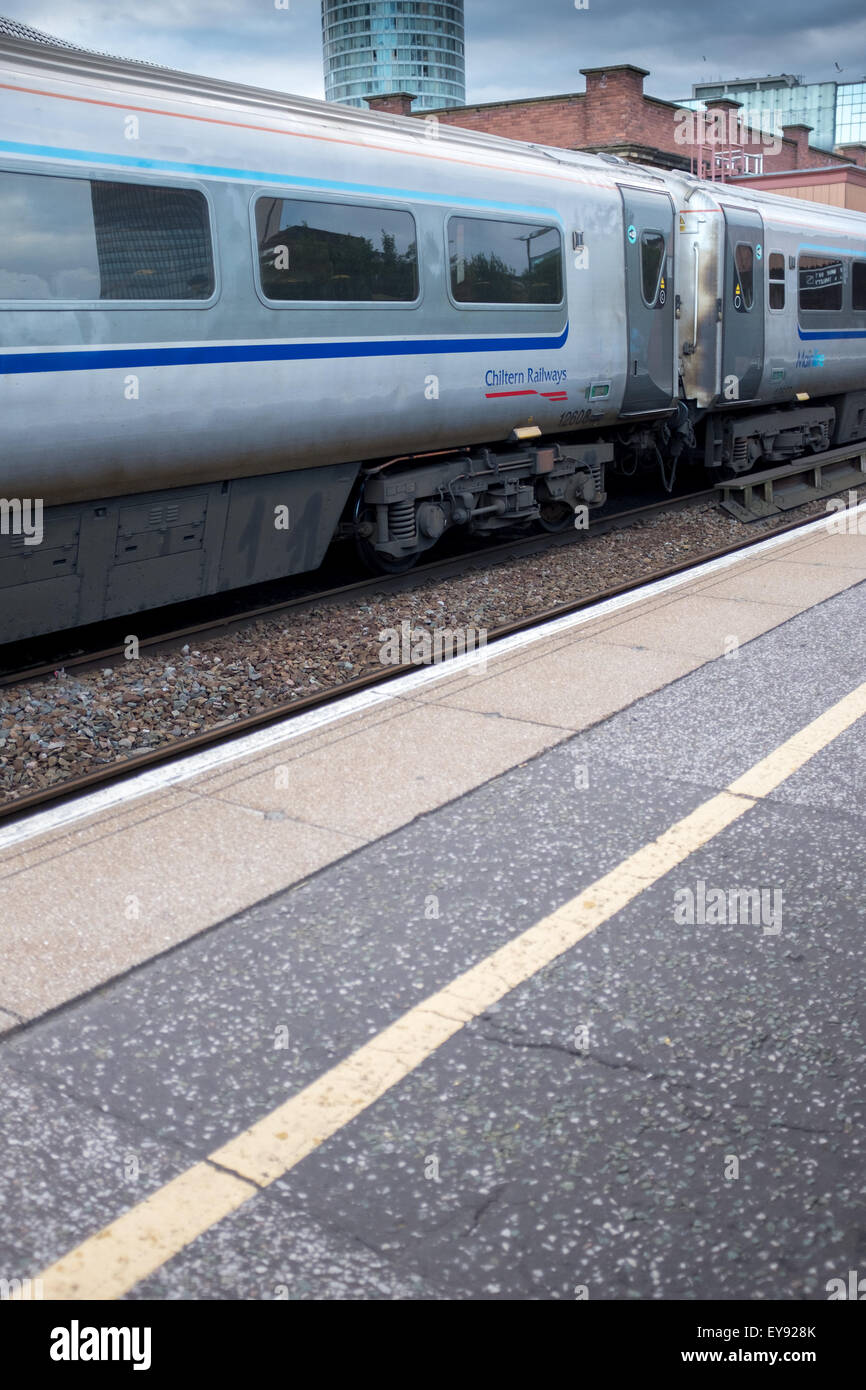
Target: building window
x,y
335,251
820,279
858,287
75,240
776,271
744,276
652,256
496,262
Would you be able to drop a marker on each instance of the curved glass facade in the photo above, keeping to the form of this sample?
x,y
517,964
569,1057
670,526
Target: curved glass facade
x,y
394,46
851,113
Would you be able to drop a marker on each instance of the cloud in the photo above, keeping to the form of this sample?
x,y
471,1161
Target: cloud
x,y
514,49
249,41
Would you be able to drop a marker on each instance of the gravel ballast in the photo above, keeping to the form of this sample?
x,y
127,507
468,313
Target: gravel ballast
x,y
67,725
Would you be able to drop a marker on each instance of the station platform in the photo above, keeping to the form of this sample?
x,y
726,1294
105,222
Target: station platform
x,y
532,977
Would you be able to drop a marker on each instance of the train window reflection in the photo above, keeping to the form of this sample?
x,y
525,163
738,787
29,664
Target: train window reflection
x,y
67,239
744,276
652,254
335,251
152,243
495,262
820,280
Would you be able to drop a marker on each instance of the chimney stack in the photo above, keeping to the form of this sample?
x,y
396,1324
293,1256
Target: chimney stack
x,y
800,136
392,103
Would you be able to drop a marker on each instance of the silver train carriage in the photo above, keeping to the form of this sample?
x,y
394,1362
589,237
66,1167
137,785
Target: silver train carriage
x,y
236,324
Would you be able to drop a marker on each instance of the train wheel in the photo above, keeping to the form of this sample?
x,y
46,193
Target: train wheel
x,y
555,516
374,560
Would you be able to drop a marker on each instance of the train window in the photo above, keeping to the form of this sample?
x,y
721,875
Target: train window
x,y
335,251
858,286
744,276
74,240
652,255
776,272
820,279
495,262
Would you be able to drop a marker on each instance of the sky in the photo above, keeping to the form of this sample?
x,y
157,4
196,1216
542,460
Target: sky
x,y
515,48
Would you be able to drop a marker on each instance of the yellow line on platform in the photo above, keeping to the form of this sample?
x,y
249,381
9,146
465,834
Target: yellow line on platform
x,y
112,1261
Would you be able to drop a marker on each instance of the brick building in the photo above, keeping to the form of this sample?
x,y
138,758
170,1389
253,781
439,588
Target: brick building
x,y
614,115
843,186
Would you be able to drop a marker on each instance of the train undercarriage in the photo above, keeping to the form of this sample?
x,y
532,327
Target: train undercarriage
x,y
403,506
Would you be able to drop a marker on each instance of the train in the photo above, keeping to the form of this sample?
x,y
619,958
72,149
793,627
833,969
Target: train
x,y
236,326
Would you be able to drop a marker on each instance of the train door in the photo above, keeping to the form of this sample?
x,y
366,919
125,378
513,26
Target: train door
x,y
648,234
743,307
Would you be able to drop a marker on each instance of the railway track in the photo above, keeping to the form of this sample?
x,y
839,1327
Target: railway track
x,y
236,728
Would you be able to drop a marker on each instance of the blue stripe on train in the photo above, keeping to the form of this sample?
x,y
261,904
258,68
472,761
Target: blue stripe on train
x,y
97,358
807,334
